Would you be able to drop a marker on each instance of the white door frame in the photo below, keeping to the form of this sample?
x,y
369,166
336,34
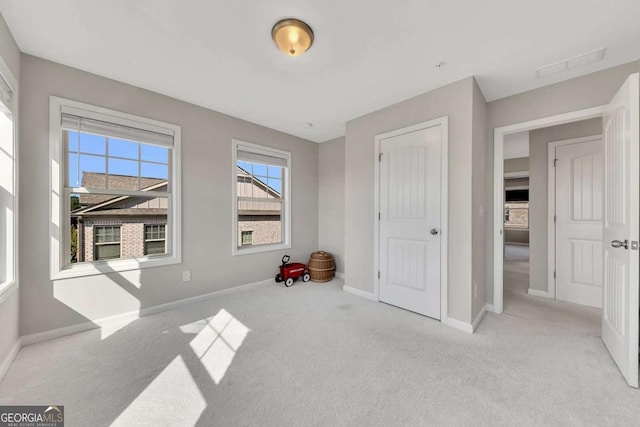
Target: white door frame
x,y
551,204
498,184
444,208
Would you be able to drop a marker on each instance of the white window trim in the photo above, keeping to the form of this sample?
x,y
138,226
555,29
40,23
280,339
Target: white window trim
x,y
59,210
8,286
286,222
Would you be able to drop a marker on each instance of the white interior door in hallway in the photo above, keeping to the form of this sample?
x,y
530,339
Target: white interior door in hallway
x,y
410,220
621,228
578,228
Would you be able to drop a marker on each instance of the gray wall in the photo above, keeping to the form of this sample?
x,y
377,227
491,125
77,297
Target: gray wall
x,y
331,199
206,207
513,235
539,189
576,94
9,49
456,102
479,219
520,164
10,299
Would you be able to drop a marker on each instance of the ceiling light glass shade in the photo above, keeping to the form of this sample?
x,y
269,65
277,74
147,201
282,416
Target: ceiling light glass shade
x,y
293,37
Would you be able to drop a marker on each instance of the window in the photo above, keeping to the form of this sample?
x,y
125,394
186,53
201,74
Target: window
x,y
261,192
155,239
119,190
516,209
247,237
8,196
106,242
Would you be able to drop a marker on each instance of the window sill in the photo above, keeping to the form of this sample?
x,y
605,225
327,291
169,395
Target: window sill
x,y
517,228
261,248
106,267
6,289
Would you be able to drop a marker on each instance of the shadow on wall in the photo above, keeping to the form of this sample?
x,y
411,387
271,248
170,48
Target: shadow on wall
x,y
188,358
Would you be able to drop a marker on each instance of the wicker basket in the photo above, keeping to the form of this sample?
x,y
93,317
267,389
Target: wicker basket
x,y
321,266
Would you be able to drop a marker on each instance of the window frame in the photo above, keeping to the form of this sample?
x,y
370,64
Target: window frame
x,y
96,243
11,282
528,202
246,233
145,240
60,209
236,245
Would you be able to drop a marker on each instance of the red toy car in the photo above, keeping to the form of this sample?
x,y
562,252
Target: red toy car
x,y
290,272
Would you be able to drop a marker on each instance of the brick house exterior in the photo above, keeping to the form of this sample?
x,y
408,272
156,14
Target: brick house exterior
x,y
119,227
261,219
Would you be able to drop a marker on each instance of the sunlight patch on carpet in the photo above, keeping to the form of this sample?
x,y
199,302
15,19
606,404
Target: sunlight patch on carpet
x,y
217,341
183,405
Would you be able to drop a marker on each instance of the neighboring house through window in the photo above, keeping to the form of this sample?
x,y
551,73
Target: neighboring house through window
x,y
516,209
261,198
119,181
247,237
155,239
106,241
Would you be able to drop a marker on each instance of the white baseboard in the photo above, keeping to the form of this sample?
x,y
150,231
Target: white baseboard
x,y
360,293
470,327
57,333
198,298
339,275
479,317
516,243
537,293
4,367
130,316
458,324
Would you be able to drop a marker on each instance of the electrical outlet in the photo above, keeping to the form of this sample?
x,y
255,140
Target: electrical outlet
x,y
475,290
481,211
186,275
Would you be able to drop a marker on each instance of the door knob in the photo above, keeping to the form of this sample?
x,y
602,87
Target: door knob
x,y
434,231
619,244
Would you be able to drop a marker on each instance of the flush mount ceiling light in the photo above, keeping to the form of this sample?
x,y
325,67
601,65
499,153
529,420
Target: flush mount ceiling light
x,y
292,36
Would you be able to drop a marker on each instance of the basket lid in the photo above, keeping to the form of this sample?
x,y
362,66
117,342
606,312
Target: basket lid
x,y
321,255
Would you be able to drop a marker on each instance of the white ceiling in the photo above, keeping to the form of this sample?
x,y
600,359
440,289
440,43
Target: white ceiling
x,y
516,145
368,53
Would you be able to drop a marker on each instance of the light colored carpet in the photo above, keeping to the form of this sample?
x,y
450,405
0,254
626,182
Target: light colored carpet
x,y
517,302
314,355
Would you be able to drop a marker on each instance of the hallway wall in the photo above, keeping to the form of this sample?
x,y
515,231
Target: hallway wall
x,y
539,191
587,91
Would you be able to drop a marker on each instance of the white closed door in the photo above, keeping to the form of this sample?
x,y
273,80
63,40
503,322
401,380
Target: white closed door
x,y
621,234
579,199
410,198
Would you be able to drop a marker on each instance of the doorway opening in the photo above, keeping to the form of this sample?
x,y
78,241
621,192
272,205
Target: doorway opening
x,y
553,180
501,135
599,242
